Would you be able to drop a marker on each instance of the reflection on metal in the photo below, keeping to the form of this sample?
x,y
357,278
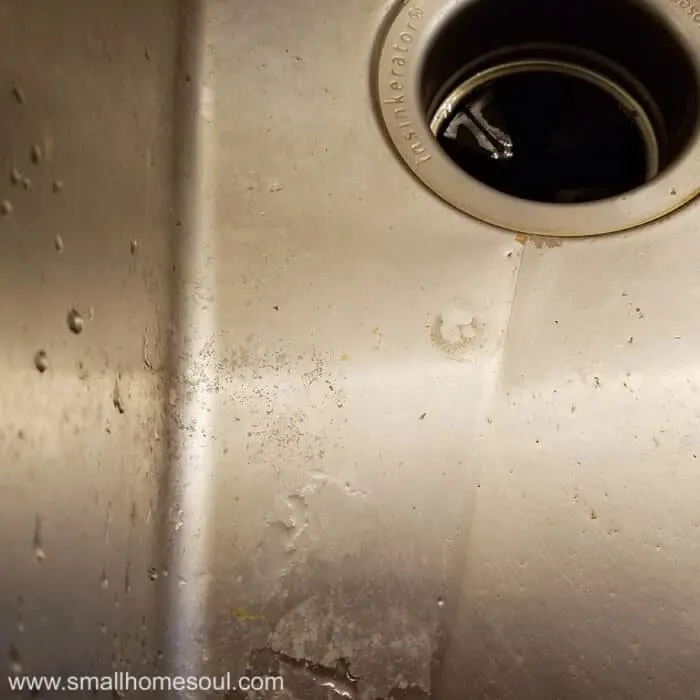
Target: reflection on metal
x,y
489,137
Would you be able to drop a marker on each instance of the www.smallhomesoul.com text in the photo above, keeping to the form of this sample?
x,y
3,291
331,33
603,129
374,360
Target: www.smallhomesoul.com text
x,y
123,681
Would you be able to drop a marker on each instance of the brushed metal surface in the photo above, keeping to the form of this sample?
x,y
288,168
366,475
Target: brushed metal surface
x,y
314,413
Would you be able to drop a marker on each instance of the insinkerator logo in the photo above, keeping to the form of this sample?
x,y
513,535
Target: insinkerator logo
x,y
692,9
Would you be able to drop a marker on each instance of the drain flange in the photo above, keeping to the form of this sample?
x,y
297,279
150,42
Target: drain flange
x,y
552,125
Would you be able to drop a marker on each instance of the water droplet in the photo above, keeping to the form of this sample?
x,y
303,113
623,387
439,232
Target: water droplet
x,y
17,178
36,154
14,660
153,573
6,208
441,602
181,581
117,398
57,186
37,542
41,361
165,571
75,321
104,581
20,614
275,187
58,244
133,247
176,516
18,94
103,628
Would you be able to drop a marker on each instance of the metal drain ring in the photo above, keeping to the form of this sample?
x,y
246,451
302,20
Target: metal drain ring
x,y
401,102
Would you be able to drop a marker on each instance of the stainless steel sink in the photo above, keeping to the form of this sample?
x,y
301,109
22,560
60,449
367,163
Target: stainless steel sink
x,y
315,421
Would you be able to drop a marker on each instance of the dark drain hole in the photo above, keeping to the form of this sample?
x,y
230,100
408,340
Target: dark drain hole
x,y
547,137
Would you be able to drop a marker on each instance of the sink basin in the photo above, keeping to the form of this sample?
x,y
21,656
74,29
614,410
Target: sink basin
x,y
270,406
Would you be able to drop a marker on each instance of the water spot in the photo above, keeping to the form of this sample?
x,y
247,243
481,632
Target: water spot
x,y
6,208
41,361
58,244
20,614
103,628
344,357
57,186
38,541
36,154
338,679
75,321
181,581
127,579
165,571
153,574
104,581
14,660
456,333
275,187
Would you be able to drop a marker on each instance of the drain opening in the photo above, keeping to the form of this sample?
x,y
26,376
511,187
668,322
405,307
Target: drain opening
x,y
571,103
548,131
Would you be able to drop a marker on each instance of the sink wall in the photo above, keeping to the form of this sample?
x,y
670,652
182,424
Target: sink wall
x,y
315,414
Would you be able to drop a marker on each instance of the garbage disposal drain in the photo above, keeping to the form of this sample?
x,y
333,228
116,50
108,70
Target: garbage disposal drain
x,y
548,131
575,120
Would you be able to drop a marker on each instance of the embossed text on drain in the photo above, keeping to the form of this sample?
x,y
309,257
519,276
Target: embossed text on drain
x,y
399,61
691,8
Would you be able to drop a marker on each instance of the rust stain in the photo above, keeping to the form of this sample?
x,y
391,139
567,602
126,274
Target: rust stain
x,y
539,241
